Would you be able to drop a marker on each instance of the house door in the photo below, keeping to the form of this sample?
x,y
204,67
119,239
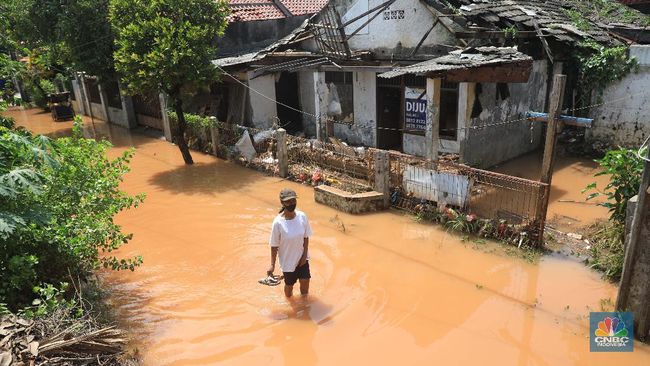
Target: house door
x,y
286,92
389,121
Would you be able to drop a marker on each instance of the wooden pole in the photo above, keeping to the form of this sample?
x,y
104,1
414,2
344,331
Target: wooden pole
x,y
555,106
382,175
214,136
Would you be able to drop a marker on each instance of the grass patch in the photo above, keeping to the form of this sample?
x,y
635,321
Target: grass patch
x,y
607,249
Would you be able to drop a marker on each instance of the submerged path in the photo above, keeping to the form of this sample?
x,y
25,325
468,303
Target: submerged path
x,y
386,289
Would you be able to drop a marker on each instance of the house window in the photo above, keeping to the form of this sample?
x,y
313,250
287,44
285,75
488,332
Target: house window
x,y
340,107
448,110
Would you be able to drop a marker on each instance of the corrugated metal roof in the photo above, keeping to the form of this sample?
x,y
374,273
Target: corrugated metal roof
x,y
462,59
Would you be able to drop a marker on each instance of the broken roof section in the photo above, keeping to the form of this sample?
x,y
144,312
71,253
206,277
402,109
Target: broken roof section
x,y
251,10
477,59
564,20
296,35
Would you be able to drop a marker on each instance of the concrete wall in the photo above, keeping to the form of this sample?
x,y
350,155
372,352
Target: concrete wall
x,y
636,299
485,147
263,110
414,144
77,104
98,111
625,122
364,129
118,116
407,22
307,84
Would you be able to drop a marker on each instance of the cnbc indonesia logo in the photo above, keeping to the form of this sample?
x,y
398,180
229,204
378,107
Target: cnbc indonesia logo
x,y
611,332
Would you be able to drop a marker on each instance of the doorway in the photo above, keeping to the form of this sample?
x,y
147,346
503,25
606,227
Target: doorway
x,y
448,110
389,112
286,92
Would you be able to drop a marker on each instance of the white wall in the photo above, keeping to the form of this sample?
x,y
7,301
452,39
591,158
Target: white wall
x,y
364,129
98,111
414,144
78,103
408,22
308,100
263,110
490,143
118,116
624,119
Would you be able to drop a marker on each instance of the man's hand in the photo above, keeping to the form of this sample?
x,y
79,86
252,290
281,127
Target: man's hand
x,y
302,262
270,271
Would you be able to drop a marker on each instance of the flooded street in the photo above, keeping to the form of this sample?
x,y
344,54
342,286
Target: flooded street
x,y
385,289
567,210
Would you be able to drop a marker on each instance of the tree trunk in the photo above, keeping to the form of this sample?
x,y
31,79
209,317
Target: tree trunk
x,y
179,131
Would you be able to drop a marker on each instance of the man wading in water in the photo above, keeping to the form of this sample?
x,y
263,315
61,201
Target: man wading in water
x,y
290,238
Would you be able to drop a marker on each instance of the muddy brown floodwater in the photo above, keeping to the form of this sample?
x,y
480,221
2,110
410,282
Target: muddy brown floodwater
x,y
386,290
567,210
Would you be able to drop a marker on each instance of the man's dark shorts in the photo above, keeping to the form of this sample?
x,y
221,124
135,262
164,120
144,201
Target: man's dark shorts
x,y
301,272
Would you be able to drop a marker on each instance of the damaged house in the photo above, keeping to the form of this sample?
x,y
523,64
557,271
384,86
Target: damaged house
x,y
419,76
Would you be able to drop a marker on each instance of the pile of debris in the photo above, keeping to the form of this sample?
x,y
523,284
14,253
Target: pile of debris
x,y
60,339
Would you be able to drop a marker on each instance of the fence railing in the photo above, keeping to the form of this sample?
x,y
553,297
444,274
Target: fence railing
x,y
414,181
483,193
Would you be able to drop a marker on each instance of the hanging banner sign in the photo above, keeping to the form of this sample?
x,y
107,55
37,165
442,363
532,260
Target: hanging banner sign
x,y
415,109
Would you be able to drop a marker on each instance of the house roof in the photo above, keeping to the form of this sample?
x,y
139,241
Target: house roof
x,y
260,53
250,10
463,59
563,20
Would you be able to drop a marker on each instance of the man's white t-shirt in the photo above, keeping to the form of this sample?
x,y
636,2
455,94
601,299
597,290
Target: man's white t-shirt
x,y
288,236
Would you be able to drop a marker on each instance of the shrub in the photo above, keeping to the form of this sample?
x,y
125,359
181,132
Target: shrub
x,y
624,168
57,203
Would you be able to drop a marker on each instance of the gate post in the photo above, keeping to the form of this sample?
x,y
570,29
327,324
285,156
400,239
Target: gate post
x,y
382,175
165,118
283,158
214,135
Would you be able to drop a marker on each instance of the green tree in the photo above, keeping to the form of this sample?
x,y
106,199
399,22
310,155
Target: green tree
x,y
58,199
87,38
168,45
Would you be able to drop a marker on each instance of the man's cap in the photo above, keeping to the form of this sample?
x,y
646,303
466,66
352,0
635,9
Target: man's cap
x,y
287,194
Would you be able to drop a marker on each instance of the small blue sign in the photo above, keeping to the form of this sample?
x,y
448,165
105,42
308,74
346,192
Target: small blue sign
x,y
415,110
611,332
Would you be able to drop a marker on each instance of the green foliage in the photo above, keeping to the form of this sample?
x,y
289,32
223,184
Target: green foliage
x,y
57,203
609,11
38,89
578,19
167,44
511,32
607,250
86,37
50,298
197,133
600,65
624,168
193,120
9,69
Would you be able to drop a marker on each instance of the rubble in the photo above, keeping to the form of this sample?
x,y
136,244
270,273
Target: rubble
x,y
59,339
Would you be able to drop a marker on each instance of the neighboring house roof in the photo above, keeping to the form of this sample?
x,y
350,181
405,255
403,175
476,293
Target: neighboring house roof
x,y
258,54
564,20
634,2
249,10
468,58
